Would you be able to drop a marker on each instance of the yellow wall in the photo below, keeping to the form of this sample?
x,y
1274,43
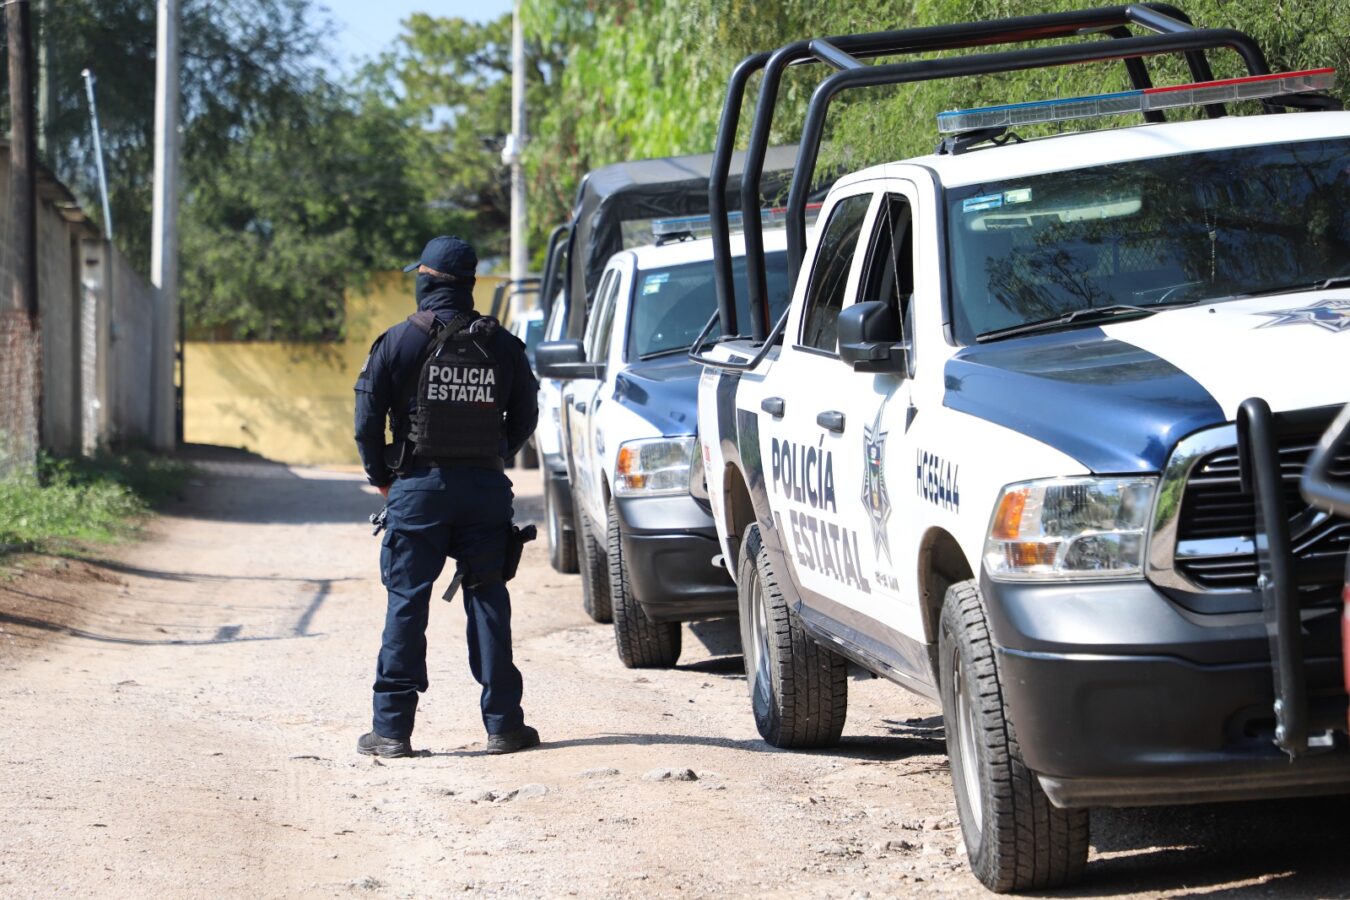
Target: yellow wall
x,y
293,402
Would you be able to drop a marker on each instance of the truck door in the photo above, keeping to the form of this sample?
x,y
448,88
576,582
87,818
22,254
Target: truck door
x,y
877,463
807,422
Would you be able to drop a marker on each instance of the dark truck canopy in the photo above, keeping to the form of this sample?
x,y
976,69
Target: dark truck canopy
x,y
639,190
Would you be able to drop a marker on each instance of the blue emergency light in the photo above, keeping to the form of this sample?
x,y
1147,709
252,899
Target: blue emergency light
x,y
1203,93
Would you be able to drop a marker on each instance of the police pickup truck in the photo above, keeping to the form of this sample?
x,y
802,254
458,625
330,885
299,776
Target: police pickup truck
x,y
645,538
1027,440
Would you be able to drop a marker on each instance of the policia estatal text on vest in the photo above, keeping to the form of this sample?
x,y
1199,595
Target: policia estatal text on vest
x,y
459,396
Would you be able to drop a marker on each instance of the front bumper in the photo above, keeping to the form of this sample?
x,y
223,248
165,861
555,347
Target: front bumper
x,y
1122,698
668,545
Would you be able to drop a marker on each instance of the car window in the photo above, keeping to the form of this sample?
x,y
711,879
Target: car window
x,y
889,276
829,274
599,351
593,322
557,318
672,304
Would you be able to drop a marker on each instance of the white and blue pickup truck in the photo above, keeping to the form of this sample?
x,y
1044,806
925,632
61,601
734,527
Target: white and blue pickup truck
x,y
1028,440
646,543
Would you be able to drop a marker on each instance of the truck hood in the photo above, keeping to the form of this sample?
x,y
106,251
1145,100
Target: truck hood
x,y
664,392
1117,398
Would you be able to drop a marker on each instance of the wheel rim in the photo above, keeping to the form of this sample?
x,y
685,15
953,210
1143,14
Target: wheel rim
x,y
759,642
965,739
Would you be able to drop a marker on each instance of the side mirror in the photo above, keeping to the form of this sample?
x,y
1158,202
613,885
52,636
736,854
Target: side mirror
x,y
869,339
565,361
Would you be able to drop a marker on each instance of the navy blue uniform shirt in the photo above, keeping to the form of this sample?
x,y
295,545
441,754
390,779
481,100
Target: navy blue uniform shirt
x,y
396,356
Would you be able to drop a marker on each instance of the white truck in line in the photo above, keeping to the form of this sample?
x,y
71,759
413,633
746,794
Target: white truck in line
x,y
646,543
1028,439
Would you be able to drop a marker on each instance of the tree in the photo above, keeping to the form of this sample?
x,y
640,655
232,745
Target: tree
x,y
452,78
647,79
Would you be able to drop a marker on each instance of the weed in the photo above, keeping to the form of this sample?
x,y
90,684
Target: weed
x,y
67,501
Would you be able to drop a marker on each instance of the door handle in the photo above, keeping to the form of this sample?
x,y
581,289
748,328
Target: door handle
x,y
579,406
774,406
831,420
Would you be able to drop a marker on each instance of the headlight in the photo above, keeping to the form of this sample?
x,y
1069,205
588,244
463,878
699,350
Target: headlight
x,y
1070,529
653,466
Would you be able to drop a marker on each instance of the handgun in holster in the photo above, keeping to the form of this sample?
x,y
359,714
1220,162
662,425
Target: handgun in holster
x,y
515,546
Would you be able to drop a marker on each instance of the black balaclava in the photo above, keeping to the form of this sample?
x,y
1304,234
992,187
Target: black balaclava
x,y
437,294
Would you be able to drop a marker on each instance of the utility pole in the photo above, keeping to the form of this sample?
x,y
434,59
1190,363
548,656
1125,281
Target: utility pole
x,y
515,146
20,336
164,240
22,158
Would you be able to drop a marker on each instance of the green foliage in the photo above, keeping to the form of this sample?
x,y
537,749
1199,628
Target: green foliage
x,y
69,500
648,78
450,79
294,188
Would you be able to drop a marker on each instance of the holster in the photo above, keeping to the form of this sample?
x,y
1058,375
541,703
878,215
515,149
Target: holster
x,y
396,456
515,546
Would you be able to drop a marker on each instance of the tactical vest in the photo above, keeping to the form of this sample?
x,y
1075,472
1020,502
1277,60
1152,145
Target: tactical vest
x,y
456,412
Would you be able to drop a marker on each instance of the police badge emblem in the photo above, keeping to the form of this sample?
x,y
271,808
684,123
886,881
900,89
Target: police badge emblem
x,y
874,495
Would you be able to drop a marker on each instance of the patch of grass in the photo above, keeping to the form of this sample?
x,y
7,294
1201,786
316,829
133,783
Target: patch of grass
x,y
71,501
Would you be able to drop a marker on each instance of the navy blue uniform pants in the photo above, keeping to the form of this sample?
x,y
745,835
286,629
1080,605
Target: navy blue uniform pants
x,y
435,513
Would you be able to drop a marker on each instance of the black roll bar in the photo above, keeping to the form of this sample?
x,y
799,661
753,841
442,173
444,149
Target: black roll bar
x,y
1261,477
510,288
843,52
557,238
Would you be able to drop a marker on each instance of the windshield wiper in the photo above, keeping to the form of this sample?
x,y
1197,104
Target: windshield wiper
x,y
657,354
1091,314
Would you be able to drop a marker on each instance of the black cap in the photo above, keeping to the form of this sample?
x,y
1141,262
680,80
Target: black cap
x,y
449,255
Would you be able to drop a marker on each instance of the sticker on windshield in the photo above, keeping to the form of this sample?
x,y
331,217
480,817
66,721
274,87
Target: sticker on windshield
x,y
652,283
1021,195
976,204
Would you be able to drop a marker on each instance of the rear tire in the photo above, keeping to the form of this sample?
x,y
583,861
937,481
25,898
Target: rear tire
x,y
642,643
798,688
591,561
1015,837
562,542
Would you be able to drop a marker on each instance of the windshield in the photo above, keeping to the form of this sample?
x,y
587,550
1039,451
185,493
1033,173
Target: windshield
x,y
1182,228
672,304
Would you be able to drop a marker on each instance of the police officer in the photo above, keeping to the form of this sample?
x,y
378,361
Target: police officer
x,y
459,396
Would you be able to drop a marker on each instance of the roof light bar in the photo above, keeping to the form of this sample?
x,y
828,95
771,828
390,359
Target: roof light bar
x,y
1254,87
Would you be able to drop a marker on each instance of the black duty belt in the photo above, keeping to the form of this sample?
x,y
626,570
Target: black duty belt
x,y
476,462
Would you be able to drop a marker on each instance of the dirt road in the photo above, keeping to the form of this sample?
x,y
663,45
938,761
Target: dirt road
x,y
181,719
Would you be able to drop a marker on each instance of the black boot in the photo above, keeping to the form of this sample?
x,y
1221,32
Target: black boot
x,y
523,738
375,744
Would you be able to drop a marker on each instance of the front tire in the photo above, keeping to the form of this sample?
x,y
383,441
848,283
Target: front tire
x,y
642,643
562,543
591,561
798,688
1015,837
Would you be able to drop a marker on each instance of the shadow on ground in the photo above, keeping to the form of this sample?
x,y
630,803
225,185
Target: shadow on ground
x,y
296,495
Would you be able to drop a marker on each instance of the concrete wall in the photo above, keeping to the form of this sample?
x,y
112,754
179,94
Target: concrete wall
x,y
81,381
293,402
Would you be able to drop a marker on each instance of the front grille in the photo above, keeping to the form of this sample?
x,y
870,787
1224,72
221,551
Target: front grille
x,y
1216,526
